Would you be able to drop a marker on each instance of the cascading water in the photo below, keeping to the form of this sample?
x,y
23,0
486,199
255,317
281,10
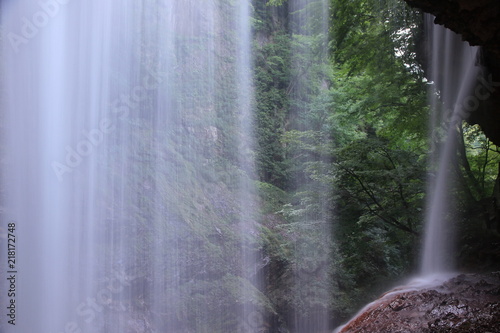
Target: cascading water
x,y
313,244
453,71
113,177
252,316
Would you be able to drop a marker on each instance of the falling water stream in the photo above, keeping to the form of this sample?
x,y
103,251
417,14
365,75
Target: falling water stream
x,y
112,177
313,245
453,71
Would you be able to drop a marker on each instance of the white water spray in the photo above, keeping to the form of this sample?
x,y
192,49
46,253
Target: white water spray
x,y
112,137
313,243
453,73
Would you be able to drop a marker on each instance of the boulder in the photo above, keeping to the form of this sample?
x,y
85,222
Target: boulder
x,y
460,303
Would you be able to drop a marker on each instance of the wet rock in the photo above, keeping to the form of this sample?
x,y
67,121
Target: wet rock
x,y
462,303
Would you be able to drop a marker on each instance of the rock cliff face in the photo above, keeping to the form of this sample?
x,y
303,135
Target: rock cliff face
x,y
464,303
479,23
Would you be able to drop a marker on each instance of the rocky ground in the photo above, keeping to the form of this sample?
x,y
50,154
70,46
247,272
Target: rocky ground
x,y
462,303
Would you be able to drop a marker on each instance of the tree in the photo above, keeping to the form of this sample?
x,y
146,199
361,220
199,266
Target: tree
x,y
388,183
272,73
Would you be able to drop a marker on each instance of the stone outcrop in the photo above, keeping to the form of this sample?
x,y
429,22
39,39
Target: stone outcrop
x,y
464,303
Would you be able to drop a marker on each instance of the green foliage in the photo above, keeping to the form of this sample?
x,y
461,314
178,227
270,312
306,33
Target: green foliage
x,y
271,77
369,35
374,46
481,164
387,183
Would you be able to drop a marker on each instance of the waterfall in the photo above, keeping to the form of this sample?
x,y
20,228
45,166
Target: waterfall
x,y
132,211
313,243
252,316
452,74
